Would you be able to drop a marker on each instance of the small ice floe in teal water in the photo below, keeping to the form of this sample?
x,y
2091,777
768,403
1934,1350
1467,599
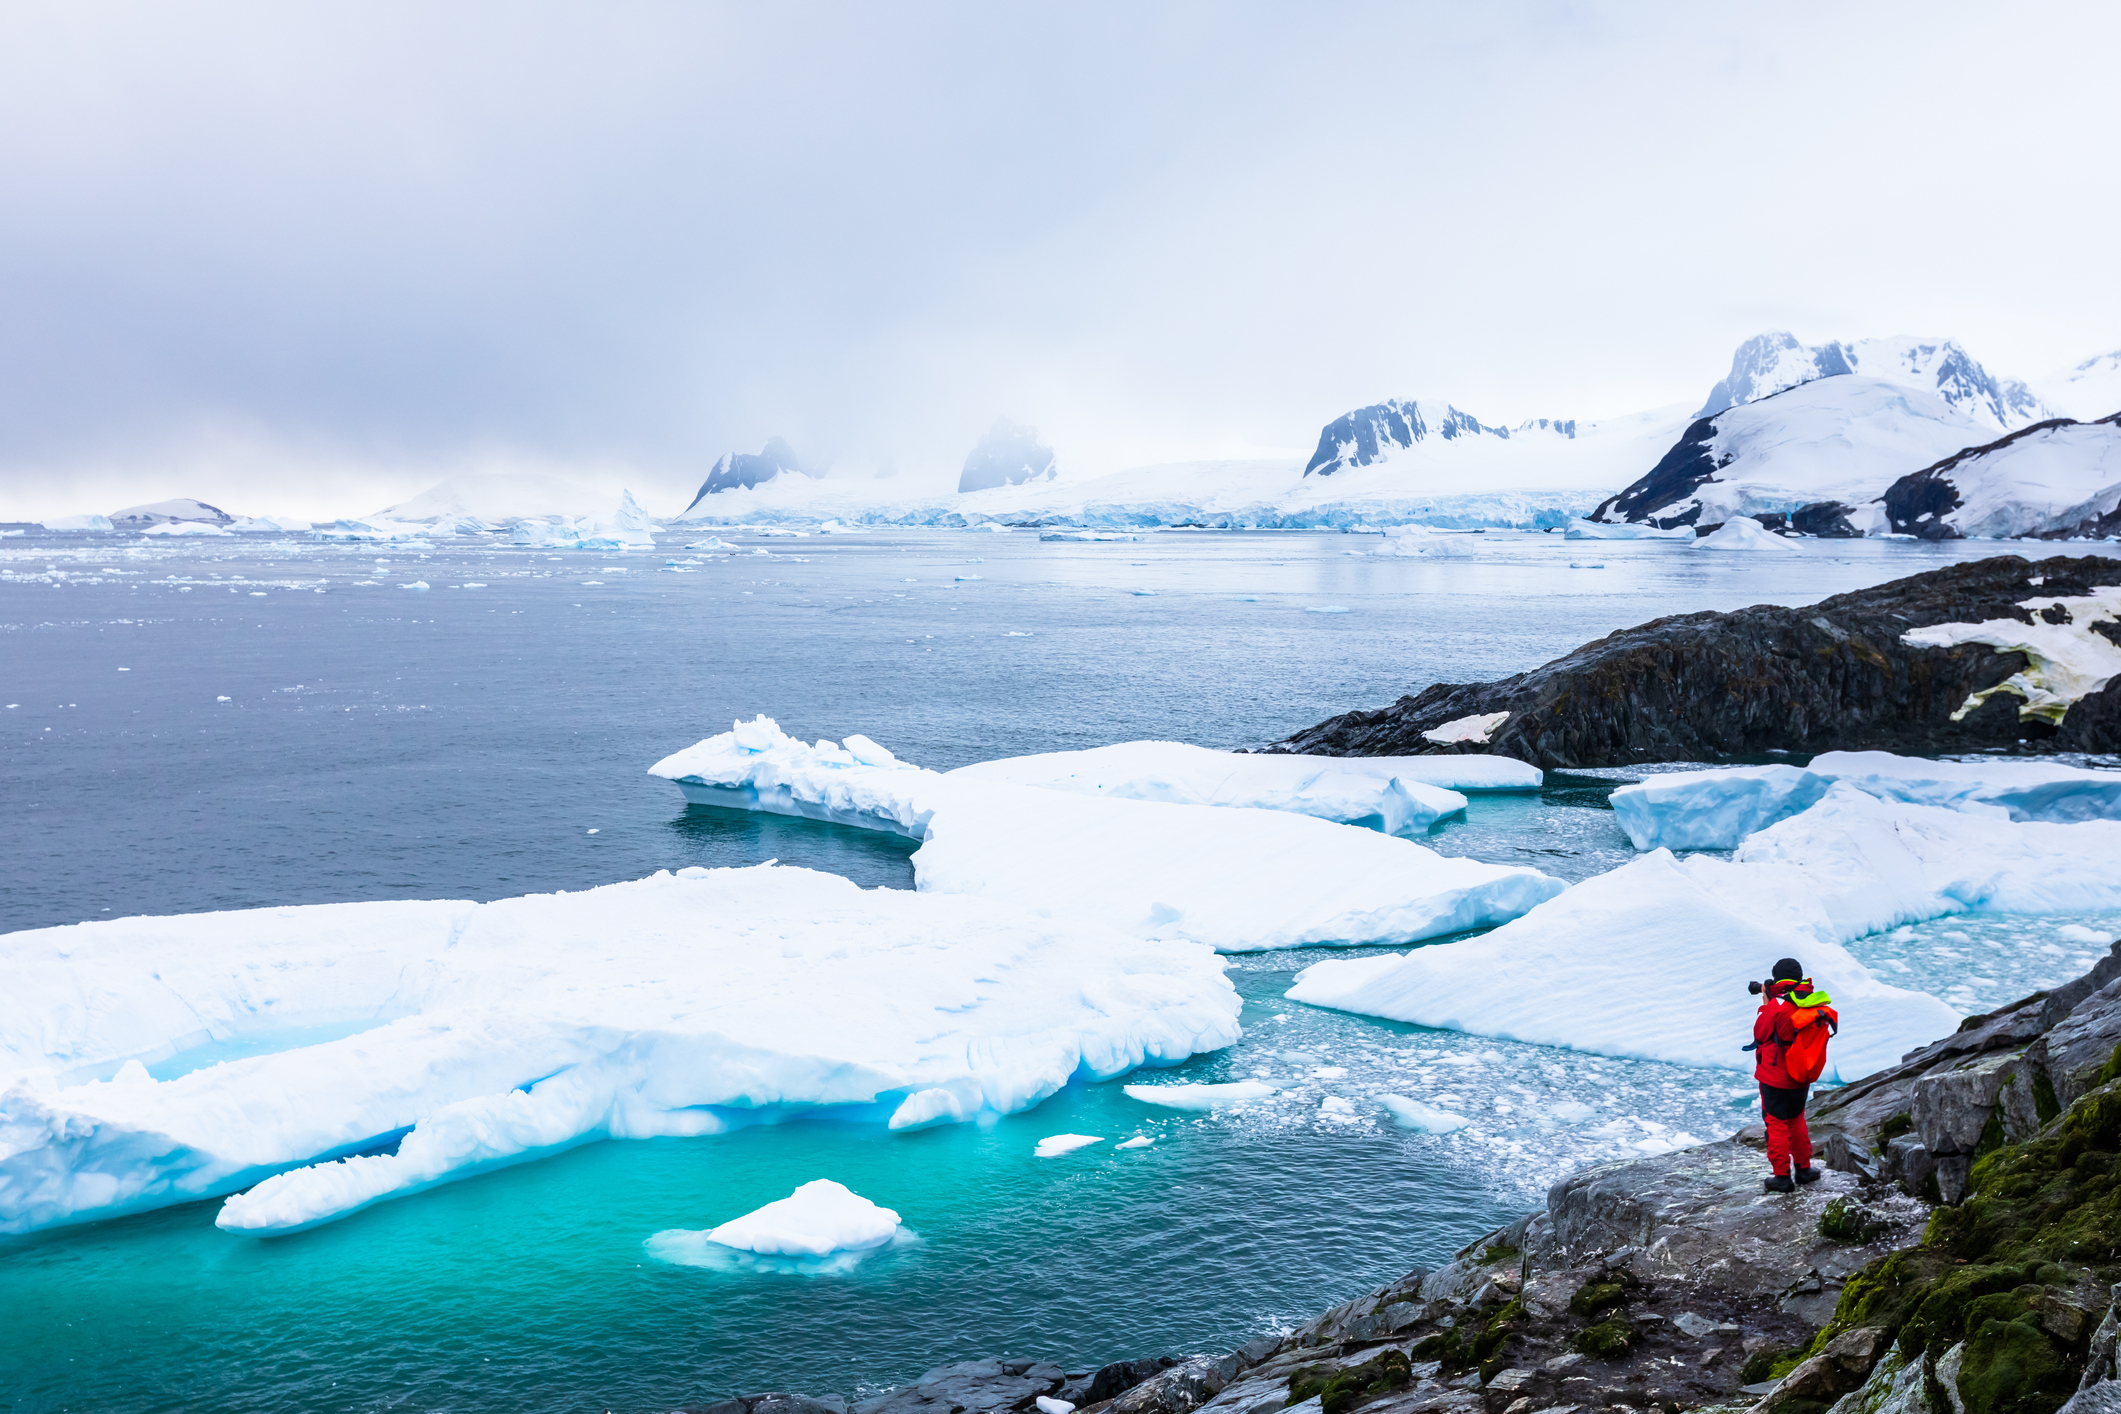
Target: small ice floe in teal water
x,y
1421,1118
1327,609
1055,1145
1139,1141
821,1228
1199,1097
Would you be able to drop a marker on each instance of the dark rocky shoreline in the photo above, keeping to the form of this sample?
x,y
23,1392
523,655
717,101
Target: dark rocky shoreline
x,y
1830,676
1959,1255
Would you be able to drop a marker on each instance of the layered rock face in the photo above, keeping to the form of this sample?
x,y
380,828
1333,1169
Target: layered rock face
x,y
1836,675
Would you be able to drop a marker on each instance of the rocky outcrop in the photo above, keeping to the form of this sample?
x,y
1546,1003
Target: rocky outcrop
x,y
1836,675
740,471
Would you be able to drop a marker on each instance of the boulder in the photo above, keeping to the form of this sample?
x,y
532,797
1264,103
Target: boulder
x,y
2082,1043
1844,1365
1181,1389
970,1387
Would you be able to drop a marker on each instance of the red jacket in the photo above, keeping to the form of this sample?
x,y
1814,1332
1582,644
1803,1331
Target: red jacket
x,y
1772,1030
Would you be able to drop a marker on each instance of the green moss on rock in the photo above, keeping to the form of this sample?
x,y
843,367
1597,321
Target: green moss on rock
x,y
1341,1390
1603,1341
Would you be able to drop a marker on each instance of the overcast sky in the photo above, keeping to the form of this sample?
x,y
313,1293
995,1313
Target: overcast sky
x,y
314,258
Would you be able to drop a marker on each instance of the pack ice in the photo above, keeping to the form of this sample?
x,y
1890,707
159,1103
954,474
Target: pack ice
x,y
1234,877
465,1036
1716,809
1649,961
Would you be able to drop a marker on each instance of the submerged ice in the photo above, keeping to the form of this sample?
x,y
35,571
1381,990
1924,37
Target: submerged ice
x,y
677,1004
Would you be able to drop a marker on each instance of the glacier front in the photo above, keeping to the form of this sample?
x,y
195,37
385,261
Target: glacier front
x,y
466,1036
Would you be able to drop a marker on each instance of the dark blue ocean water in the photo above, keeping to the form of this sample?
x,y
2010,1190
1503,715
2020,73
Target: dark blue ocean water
x,y
192,725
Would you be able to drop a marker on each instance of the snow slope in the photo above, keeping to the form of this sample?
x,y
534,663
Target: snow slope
x,y
2088,391
1767,364
1649,961
1399,795
1842,439
1236,878
498,499
1718,809
2051,479
487,1034
181,509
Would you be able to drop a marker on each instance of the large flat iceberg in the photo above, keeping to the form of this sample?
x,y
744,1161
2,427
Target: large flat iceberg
x,y
486,1034
1719,808
1649,961
1234,877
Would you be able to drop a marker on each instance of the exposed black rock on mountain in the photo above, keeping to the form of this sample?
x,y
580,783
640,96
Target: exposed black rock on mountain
x,y
1369,434
1009,455
741,470
1836,675
2049,481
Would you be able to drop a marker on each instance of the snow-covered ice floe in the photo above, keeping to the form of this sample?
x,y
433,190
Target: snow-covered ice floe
x,y
1716,809
821,1227
1649,961
1421,1118
1400,795
1624,530
476,1035
1745,534
1236,878
1199,1097
1055,1145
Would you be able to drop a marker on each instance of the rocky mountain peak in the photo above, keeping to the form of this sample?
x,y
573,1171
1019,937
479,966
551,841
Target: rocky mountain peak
x,y
1770,363
1009,455
1369,434
742,470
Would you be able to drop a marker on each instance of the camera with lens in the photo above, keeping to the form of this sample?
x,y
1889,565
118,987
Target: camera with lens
x,y
1756,988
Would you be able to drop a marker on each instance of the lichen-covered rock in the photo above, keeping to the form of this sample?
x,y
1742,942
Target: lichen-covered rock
x,y
1836,675
2082,1046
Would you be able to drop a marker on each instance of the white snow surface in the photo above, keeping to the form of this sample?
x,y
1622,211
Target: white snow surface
x,y
187,527
2064,661
1580,529
2090,390
1941,368
1649,961
819,1217
1236,878
1719,808
1199,1097
1743,533
1476,728
498,499
492,1033
1349,790
2045,480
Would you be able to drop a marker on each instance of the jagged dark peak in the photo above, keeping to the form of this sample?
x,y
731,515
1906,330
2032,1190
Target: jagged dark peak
x,y
742,470
1370,433
1009,455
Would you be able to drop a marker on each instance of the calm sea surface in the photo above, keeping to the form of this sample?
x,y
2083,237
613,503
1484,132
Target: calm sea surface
x,y
227,723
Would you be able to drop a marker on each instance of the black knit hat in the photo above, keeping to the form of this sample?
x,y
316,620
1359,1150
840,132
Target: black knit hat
x,y
1789,970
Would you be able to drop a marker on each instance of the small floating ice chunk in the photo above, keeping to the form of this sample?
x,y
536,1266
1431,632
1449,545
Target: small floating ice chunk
x,y
2078,933
1327,609
1476,728
1199,1097
964,577
1139,1141
1054,1145
819,1217
1422,1119
1145,594
416,584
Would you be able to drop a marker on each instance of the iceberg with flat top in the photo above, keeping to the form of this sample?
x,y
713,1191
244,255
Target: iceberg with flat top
x,y
1717,809
410,1044
1234,877
1177,774
819,1217
1648,962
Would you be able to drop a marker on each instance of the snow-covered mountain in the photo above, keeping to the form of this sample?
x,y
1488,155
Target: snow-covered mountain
x,y
498,498
1009,455
742,470
1767,364
2052,479
2087,392
1369,435
179,509
1842,438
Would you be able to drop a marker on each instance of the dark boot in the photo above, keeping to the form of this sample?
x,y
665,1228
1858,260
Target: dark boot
x,y
1780,1183
1807,1174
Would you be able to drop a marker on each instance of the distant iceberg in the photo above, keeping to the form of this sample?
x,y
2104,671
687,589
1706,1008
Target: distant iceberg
x,y
463,1036
1239,879
81,522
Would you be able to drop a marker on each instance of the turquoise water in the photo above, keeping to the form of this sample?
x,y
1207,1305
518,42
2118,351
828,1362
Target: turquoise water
x,y
379,743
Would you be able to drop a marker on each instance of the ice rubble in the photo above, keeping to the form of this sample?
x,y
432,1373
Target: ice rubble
x,y
1716,809
1397,794
1649,961
476,1035
1238,879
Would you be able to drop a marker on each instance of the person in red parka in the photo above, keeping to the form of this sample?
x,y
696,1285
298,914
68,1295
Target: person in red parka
x,y
1781,1097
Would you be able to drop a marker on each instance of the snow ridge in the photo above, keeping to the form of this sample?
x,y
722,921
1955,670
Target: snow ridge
x,y
1767,364
1367,435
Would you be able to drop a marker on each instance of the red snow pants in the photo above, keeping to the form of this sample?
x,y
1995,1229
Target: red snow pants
x,y
1787,1138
